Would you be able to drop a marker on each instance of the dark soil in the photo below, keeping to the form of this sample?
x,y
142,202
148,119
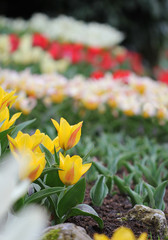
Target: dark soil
x,y
112,209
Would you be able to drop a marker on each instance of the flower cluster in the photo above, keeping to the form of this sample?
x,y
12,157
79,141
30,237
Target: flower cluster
x,y
91,34
122,92
27,147
56,56
7,99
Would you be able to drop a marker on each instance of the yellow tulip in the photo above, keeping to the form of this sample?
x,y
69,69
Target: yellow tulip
x,y
68,135
71,169
6,99
100,237
121,233
4,116
48,143
31,164
25,141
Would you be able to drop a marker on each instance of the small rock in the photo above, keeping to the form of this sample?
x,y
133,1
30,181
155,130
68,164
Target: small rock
x,y
151,217
67,231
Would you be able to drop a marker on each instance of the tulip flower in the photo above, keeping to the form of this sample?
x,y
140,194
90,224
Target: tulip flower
x,y
122,233
48,143
4,117
25,141
31,164
68,135
6,99
71,169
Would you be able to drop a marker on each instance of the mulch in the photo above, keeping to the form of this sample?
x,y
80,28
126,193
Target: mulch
x,y
111,211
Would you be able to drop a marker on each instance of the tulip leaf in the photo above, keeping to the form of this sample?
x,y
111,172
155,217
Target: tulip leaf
x,y
101,169
159,194
72,197
86,210
150,195
20,127
48,155
49,170
56,156
91,174
99,191
38,196
53,179
135,197
87,155
5,132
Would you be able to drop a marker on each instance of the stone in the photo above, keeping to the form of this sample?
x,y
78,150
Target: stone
x,y
151,217
66,231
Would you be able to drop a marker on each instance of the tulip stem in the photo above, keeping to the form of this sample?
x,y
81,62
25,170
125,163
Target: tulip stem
x,y
64,153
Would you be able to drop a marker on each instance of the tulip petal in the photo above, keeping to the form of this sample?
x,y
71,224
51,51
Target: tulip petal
x,y
56,124
12,143
123,233
100,237
64,133
85,167
13,119
143,236
75,135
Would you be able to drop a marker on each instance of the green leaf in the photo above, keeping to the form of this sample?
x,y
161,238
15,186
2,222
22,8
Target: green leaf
x,y
53,179
86,210
110,184
91,174
20,127
148,175
4,133
120,184
38,196
49,170
87,155
48,155
101,169
150,195
56,158
135,197
159,194
99,191
73,196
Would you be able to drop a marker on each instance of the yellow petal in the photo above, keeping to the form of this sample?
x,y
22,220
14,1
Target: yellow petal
x,y
143,236
56,124
100,237
85,167
75,135
13,119
12,143
123,233
56,144
64,133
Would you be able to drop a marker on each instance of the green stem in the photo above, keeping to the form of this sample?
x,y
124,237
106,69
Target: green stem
x,y
64,153
50,200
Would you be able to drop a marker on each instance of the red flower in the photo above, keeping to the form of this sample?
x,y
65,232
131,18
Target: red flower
x,y
107,62
94,55
136,62
97,75
40,40
55,50
163,76
14,41
74,52
122,75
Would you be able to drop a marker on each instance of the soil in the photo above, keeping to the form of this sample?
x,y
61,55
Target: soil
x,y
112,209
